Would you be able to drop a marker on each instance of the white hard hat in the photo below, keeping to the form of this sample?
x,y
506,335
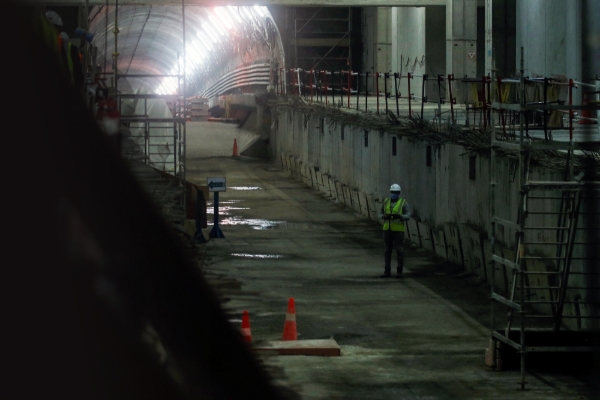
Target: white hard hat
x,y
64,36
54,18
395,188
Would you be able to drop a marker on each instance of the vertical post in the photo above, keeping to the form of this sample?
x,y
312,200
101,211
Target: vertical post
x,y
310,84
441,99
376,78
423,97
386,75
367,91
546,111
357,89
409,96
333,87
571,110
396,91
450,79
216,231
349,85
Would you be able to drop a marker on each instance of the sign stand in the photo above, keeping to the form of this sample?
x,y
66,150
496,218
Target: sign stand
x,y
216,232
216,185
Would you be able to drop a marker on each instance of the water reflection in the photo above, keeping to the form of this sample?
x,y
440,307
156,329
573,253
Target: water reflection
x,y
258,224
225,210
245,188
261,256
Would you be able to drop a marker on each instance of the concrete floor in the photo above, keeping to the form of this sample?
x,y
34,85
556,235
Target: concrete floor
x,y
421,337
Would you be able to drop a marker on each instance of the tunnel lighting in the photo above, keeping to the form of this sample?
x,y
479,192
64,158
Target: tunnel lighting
x,y
235,14
261,10
222,15
216,25
208,30
248,13
205,43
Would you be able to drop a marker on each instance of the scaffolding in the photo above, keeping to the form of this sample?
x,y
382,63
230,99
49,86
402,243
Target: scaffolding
x,y
550,266
159,142
322,38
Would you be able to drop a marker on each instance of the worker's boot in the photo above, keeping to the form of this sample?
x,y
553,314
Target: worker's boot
x,y
399,270
387,273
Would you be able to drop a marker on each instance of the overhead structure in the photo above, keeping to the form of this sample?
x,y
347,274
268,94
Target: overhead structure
x,y
137,41
290,3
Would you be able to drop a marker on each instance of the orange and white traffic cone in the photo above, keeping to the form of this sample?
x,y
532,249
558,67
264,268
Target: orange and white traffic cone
x,y
246,334
235,148
289,329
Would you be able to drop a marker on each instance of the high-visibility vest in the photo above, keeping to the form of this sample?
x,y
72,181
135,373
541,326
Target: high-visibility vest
x,y
396,225
67,46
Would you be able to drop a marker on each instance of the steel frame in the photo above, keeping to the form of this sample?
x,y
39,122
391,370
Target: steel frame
x,y
517,300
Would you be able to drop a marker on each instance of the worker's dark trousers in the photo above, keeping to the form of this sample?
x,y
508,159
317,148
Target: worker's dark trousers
x,y
393,239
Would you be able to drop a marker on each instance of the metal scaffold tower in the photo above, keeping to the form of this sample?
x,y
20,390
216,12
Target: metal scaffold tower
x,y
158,141
545,264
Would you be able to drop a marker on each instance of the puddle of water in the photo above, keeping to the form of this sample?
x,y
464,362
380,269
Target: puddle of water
x,y
258,224
212,205
224,210
245,188
260,256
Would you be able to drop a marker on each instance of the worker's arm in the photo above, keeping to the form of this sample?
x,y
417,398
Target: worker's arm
x,y
382,213
405,211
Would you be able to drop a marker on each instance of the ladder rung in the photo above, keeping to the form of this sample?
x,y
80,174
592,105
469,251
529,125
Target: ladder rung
x,y
541,258
552,316
541,287
549,197
542,272
564,302
546,243
549,228
546,213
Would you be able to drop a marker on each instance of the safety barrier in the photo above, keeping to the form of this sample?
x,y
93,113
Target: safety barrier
x,y
350,89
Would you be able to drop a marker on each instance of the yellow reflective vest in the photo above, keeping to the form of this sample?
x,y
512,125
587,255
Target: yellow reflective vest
x,y
396,225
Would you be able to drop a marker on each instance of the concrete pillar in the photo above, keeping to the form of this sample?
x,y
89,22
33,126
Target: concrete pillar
x,y
408,45
461,42
488,38
383,45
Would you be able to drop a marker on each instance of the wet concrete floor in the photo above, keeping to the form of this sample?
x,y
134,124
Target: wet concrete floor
x,y
421,337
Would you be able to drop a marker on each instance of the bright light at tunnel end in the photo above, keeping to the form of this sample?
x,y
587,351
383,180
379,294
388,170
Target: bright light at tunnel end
x,y
218,27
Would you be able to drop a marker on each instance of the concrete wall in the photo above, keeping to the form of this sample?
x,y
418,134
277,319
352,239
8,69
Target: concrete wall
x,y
377,45
451,206
550,32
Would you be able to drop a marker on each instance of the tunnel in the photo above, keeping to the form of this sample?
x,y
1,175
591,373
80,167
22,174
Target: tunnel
x,y
303,199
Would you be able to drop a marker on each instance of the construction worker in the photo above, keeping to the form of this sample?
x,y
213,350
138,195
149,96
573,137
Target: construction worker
x,y
394,212
69,52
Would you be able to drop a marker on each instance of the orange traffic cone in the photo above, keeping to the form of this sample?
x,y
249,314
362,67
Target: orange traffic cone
x,y
585,114
235,148
246,334
289,329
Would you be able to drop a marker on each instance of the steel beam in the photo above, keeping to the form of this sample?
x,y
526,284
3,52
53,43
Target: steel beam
x,y
214,3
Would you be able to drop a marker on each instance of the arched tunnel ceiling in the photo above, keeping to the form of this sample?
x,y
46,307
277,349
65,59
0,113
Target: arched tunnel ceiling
x,y
218,40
